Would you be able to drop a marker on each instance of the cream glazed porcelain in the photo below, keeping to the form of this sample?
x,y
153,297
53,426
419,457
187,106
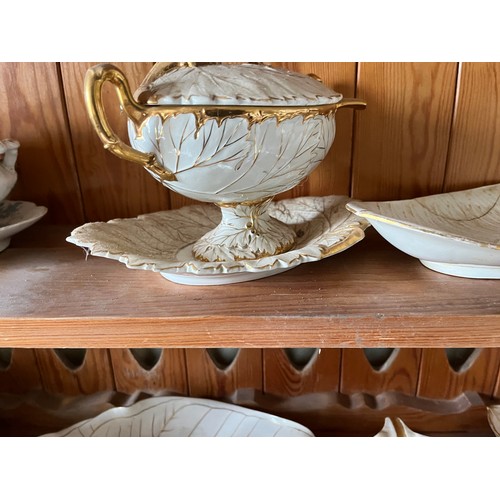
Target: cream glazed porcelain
x,y
454,233
8,175
14,215
163,241
173,416
231,134
395,427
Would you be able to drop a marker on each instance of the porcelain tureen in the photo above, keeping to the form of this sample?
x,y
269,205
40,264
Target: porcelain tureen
x,y
231,134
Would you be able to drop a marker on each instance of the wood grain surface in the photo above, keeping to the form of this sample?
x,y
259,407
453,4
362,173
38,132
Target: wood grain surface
x,y
94,375
207,380
110,187
369,296
168,375
32,111
281,378
336,414
474,157
399,373
402,138
21,373
438,380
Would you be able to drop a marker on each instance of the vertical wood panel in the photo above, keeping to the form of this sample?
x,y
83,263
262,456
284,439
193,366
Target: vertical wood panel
x,y
94,375
401,374
208,381
111,187
474,158
402,138
167,376
32,111
21,374
281,378
439,380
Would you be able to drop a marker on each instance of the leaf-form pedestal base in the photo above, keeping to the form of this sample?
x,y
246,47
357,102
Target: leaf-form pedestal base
x,y
246,231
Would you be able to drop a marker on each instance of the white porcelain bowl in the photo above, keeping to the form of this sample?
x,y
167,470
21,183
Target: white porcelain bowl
x,y
453,233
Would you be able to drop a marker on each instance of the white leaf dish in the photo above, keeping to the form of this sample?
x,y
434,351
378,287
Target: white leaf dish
x,y
395,427
184,417
453,233
16,216
163,241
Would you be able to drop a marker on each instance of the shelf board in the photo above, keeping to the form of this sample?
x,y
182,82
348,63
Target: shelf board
x,y
371,295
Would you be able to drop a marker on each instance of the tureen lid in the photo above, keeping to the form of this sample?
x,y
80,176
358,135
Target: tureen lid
x,y
245,84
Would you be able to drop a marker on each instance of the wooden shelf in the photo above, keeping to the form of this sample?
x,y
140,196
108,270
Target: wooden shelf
x,y
371,295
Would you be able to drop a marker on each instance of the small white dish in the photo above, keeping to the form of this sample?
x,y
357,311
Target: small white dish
x,y
184,417
16,216
452,233
163,241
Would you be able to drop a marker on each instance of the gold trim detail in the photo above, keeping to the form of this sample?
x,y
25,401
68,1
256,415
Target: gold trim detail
x,y
94,80
250,203
139,113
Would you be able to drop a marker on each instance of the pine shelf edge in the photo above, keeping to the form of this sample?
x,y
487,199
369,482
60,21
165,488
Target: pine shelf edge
x,y
370,295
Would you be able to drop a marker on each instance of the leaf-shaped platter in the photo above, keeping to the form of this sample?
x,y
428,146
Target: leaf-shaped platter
x,y
16,216
453,233
184,417
163,241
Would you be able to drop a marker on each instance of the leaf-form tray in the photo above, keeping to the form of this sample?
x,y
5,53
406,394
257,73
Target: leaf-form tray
x,y
184,417
162,241
454,233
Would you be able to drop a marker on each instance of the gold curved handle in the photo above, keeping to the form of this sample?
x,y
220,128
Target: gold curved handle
x,y
352,102
94,80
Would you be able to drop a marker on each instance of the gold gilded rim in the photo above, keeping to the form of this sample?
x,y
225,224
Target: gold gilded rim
x,y
139,113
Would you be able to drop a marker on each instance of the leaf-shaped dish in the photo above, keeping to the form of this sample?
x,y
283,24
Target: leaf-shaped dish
x,y
163,241
184,417
453,233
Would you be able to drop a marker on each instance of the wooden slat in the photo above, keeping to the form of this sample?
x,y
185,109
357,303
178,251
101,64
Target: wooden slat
x,y
401,373
94,375
111,187
334,414
439,380
32,111
401,139
474,158
21,374
167,376
281,378
206,380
